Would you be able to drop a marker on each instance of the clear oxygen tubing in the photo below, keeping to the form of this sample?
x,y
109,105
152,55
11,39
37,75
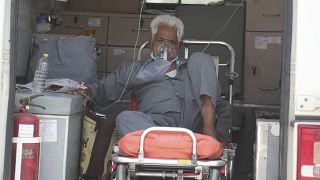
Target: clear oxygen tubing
x,y
131,70
139,57
223,26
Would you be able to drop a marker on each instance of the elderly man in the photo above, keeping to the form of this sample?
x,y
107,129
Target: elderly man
x,y
170,91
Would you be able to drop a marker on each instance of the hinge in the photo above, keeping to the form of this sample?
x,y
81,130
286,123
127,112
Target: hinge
x,y
308,103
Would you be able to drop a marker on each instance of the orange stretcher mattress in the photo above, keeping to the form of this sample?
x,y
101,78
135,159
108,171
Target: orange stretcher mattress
x,y
170,145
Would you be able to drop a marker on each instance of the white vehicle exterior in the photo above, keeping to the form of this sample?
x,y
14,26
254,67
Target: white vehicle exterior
x,y
304,94
5,16
300,100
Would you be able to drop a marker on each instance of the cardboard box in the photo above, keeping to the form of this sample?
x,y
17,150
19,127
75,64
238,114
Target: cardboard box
x,y
123,31
262,68
113,6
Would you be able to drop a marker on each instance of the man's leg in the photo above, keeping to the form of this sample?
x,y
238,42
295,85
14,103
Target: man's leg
x,y
203,77
224,119
204,82
130,121
101,146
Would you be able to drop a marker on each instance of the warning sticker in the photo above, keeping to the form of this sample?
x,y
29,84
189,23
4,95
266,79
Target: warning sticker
x,y
261,42
26,130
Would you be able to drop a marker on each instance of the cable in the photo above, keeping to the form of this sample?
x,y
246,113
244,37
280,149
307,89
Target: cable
x,y
134,54
131,69
223,26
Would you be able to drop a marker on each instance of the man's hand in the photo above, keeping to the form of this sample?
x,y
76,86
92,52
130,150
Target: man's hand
x,y
85,91
223,141
213,133
208,116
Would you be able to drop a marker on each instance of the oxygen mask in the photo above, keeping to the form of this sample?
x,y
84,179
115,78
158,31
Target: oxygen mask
x,y
164,52
161,60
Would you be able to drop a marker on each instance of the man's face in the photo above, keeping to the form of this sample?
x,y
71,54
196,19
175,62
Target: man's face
x,y
166,36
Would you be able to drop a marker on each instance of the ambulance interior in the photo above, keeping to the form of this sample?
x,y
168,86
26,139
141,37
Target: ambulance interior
x,y
252,28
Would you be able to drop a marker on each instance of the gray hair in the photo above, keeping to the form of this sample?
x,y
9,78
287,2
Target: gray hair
x,y
170,21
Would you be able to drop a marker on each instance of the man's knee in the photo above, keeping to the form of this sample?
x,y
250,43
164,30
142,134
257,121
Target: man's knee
x,y
123,118
129,121
123,123
201,64
200,58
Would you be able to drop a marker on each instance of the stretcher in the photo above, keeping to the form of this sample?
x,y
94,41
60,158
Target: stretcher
x,y
126,167
135,167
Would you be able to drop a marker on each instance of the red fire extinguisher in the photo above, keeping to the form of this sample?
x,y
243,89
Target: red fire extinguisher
x,y
26,143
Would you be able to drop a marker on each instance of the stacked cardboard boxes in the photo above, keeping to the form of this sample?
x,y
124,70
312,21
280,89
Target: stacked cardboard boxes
x,y
113,6
263,52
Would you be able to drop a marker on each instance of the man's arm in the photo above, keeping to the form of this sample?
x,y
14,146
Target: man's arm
x,y
208,116
209,120
110,87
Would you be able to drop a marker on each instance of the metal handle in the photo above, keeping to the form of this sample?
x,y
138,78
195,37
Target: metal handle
x,y
172,129
98,52
224,64
268,89
253,68
140,50
35,105
77,27
271,15
186,56
230,48
141,29
28,100
231,72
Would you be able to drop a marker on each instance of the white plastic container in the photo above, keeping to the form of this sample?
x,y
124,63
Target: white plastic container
x,y
42,25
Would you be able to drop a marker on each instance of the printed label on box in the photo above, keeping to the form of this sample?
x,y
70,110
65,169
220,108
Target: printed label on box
x,y
118,51
260,42
94,22
274,40
48,130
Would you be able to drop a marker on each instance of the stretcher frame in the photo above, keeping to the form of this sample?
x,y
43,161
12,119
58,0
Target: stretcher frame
x,y
231,73
127,168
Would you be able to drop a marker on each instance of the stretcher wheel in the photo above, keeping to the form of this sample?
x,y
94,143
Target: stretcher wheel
x,y
121,172
214,174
